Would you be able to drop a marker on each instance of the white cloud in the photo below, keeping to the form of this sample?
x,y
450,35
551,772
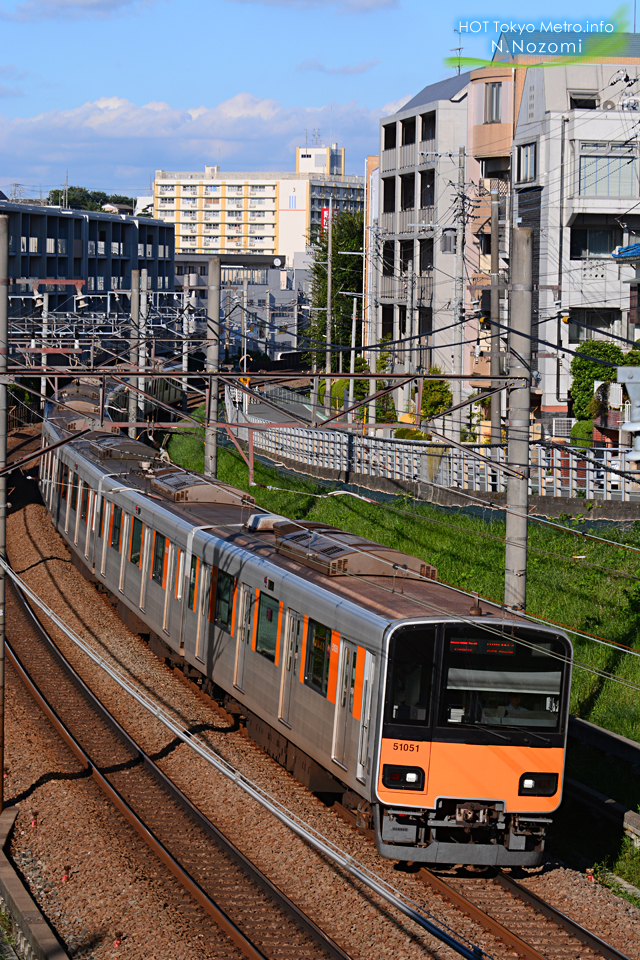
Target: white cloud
x,y
320,67
117,144
66,9
395,105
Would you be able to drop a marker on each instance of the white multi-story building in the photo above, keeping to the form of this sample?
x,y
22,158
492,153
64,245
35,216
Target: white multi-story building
x,y
267,213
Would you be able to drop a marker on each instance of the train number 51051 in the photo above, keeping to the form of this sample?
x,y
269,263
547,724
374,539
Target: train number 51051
x,y
407,747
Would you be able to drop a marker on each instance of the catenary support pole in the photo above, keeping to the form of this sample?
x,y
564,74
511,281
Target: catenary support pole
x,y
212,367
496,399
45,334
352,359
519,407
4,313
327,358
373,325
134,335
458,309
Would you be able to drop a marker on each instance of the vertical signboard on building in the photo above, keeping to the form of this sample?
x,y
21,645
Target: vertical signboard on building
x,y
324,218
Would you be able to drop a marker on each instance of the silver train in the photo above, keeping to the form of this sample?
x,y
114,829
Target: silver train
x,y
443,727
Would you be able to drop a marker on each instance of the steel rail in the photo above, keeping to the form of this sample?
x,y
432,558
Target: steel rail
x,y
492,926
228,847
560,919
250,950
303,830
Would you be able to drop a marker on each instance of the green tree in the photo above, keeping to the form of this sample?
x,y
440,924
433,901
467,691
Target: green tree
x,y
79,198
436,396
585,372
346,275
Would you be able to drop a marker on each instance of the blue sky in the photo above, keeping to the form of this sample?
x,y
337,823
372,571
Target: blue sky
x,y
112,90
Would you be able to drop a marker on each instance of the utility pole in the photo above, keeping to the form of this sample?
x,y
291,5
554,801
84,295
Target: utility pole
x,y
4,345
496,429
142,338
373,323
352,363
458,309
45,334
327,359
134,334
519,400
410,359
245,307
212,367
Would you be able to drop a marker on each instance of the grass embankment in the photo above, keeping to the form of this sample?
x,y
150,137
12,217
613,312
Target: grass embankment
x,y
468,552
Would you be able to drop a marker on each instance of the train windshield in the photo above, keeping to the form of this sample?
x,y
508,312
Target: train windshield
x,y
491,679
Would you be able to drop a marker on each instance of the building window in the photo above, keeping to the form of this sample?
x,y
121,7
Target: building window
x,y
389,137
408,131
388,258
210,188
267,627
389,195
588,243
318,655
602,320
584,101
610,174
526,166
493,103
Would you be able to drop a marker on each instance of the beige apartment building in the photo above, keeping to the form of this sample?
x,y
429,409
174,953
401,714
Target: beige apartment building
x,y
253,212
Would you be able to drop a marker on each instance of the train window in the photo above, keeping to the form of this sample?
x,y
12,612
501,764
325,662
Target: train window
x,y
267,628
74,491
116,527
193,582
409,678
157,567
135,552
224,599
64,478
84,503
318,654
179,574
501,680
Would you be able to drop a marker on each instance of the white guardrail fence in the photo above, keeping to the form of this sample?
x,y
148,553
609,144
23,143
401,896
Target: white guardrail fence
x,y
555,471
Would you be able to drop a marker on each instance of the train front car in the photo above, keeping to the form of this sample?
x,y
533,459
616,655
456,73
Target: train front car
x,y
472,741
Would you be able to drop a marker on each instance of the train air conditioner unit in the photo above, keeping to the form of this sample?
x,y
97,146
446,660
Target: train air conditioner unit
x,y
119,448
181,487
339,554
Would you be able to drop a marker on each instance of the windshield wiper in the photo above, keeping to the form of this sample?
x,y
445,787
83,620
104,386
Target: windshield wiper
x,y
524,729
484,726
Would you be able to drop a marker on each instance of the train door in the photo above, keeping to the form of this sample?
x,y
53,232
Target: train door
x,y
362,767
202,610
343,718
243,635
289,667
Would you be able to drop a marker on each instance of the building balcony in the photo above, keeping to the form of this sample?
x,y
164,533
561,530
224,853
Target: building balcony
x,y
407,156
424,288
388,222
426,151
388,160
387,287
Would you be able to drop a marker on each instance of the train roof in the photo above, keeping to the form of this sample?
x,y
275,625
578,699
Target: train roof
x,y
386,582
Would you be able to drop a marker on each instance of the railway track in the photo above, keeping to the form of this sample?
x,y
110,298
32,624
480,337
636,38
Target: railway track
x,y
523,921
229,898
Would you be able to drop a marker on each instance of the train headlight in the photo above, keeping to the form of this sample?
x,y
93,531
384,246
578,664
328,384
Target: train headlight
x,y
395,777
538,785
